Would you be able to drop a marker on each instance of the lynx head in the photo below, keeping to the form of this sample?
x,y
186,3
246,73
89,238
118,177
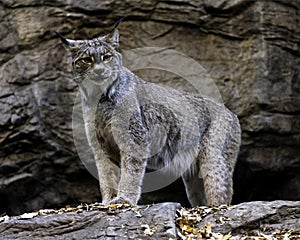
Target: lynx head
x,y
97,59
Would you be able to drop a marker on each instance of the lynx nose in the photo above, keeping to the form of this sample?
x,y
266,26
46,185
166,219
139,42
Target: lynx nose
x,y
99,70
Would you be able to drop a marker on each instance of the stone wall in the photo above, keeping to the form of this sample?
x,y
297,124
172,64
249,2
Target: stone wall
x,y
249,48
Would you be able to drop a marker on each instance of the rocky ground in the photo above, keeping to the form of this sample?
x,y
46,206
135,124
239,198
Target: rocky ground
x,y
253,220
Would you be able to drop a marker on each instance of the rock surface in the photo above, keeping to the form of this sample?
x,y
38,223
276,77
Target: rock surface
x,y
95,221
121,222
250,216
249,48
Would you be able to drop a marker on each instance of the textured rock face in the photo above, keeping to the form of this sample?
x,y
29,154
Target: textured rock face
x,y
249,48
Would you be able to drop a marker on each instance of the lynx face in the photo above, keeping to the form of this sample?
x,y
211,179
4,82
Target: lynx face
x,y
95,60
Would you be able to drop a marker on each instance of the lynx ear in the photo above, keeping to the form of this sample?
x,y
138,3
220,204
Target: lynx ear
x,y
113,38
68,43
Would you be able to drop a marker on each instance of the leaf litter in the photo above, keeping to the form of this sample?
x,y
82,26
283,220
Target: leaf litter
x,y
188,222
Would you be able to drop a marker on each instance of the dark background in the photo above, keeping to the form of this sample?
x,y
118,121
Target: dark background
x,y
250,49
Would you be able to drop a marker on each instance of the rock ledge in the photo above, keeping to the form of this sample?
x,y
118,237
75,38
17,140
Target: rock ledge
x,y
266,220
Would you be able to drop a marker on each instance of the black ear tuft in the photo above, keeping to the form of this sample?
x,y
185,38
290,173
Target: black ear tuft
x,y
118,22
70,45
63,40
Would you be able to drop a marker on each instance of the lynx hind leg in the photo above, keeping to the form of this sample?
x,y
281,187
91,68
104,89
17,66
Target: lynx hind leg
x,y
194,189
231,153
217,160
216,179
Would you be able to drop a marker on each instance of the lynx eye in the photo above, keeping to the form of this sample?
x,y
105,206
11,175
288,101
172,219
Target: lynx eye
x,y
83,64
86,60
106,57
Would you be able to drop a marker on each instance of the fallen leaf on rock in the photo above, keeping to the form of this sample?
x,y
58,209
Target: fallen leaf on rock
x,y
46,211
137,214
188,221
147,230
28,215
4,218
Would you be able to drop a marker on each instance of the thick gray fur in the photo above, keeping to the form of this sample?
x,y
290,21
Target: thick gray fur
x,y
136,125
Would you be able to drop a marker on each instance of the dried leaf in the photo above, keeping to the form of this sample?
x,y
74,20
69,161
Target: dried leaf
x,y
148,231
4,218
227,236
28,215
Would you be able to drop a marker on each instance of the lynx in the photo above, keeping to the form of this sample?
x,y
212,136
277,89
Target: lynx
x,y
125,116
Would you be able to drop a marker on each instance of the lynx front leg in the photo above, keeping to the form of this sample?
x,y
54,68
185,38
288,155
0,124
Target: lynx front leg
x,y
107,171
108,177
132,173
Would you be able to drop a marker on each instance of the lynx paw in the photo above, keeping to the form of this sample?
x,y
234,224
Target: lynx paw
x,y
120,200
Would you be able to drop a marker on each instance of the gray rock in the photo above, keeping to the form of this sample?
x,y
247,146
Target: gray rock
x,y
266,220
142,222
253,216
